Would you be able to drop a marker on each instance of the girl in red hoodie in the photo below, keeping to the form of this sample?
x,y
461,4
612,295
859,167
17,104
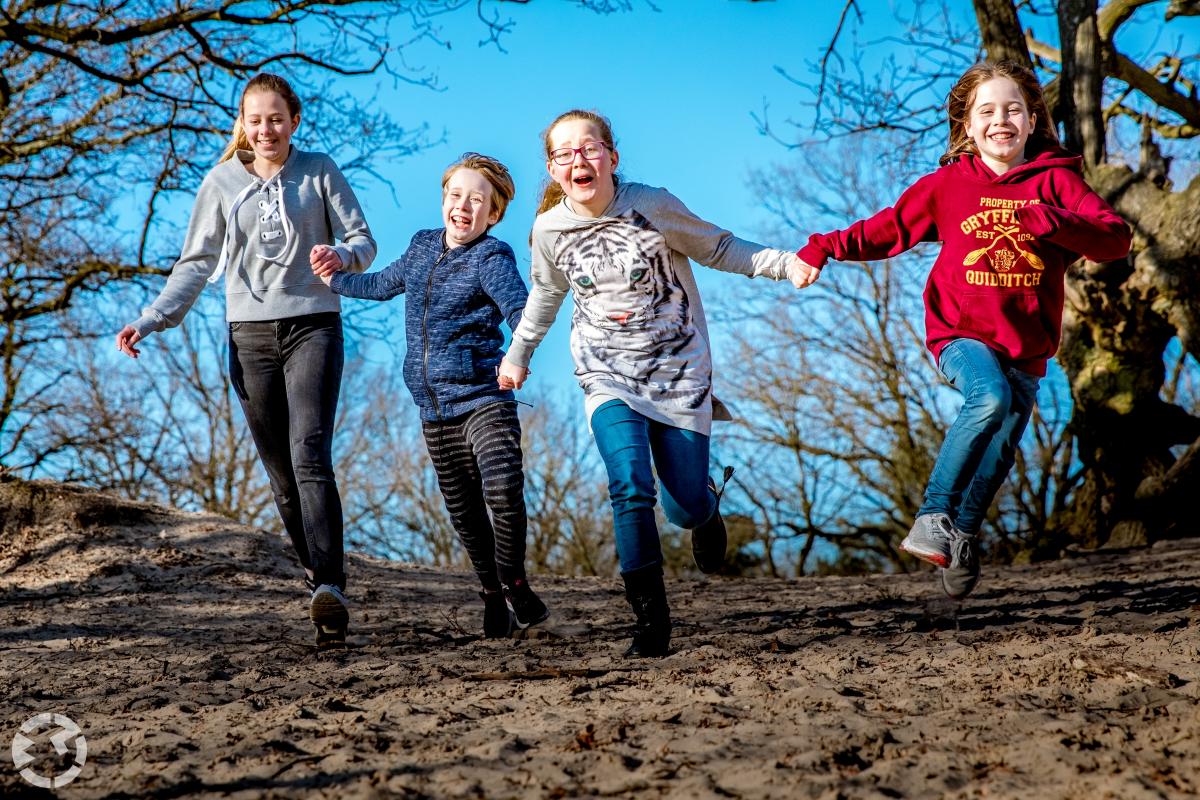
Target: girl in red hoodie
x,y
1012,211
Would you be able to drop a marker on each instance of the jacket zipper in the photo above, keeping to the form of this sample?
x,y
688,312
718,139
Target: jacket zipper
x,y
425,332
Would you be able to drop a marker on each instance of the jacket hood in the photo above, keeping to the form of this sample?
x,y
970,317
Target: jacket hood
x,y
973,167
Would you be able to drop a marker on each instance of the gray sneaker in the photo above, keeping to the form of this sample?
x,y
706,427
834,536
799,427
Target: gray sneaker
x,y
960,577
929,539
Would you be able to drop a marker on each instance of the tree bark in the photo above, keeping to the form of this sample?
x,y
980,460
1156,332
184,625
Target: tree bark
x,y
1117,325
1000,30
1080,107
1121,317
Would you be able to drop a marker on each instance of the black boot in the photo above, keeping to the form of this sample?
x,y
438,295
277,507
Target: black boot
x,y
648,597
497,620
709,539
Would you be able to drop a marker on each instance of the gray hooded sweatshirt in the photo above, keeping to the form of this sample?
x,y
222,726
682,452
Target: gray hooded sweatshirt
x,y
257,235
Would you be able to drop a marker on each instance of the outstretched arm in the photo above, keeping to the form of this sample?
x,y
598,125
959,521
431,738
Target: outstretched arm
x,y
888,233
356,246
713,246
190,274
382,285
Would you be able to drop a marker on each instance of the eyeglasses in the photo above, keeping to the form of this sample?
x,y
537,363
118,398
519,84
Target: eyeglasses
x,y
589,150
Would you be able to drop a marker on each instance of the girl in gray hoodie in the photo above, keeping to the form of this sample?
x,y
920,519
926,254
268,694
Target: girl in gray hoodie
x,y
261,215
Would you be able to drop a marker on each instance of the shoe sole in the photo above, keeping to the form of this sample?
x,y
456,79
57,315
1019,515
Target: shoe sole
x,y
523,625
329,638
331,620
935,558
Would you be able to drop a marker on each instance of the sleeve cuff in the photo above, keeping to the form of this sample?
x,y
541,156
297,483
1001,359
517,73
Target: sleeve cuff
x,y
149,322
518,354
813,256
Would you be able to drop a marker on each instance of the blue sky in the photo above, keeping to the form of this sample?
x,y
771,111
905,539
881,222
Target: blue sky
x,y
679,85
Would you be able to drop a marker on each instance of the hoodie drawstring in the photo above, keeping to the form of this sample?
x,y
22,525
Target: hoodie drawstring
x,y
272,184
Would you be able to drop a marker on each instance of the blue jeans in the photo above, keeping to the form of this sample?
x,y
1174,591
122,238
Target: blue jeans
x,y
628,443
287,373
981,445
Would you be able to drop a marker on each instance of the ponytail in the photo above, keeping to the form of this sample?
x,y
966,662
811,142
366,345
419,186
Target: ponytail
x,y
237,140
552,195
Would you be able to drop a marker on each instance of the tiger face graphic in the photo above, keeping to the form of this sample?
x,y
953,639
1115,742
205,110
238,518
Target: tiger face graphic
x,y
632,323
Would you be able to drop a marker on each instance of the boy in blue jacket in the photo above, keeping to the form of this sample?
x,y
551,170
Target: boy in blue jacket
x,y
461,284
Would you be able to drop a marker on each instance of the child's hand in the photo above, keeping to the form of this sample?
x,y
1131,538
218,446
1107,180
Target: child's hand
x,y
510,376
126,340
324,260
802,274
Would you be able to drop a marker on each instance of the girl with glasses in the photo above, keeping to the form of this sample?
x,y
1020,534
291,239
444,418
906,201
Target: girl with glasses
x,y
640,346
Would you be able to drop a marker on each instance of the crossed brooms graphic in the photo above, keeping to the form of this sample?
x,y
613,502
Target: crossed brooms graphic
x,y
1005,233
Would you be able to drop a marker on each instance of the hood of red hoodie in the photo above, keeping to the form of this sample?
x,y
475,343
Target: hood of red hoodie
x,y
973,168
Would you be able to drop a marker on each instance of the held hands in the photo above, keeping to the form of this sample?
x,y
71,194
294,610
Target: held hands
x,y
802,274
126,340
510,376
324,261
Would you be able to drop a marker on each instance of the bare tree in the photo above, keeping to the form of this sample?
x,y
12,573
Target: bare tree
x,y
109,108
570,523
842,413
168,430
1125,321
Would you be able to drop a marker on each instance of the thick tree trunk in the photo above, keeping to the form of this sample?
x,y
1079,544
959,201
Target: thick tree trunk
x,y
1118,322
1121,317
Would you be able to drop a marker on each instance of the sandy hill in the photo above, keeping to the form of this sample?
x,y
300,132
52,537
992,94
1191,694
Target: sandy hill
x,y
179,644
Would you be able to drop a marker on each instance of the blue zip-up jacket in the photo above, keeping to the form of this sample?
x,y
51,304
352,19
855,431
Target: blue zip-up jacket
x,y
456,300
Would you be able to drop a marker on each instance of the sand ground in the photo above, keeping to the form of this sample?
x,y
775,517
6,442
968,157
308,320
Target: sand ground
x,y
179,644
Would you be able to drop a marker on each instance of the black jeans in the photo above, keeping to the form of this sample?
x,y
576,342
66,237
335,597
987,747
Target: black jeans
x,y
287,374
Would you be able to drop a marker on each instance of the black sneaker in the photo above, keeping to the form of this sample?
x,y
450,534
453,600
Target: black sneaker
x,y
527,609
330,613
962,575
497,619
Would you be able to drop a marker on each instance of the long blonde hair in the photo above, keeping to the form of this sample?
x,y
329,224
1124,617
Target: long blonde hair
x,y
552,193
962,97
262,82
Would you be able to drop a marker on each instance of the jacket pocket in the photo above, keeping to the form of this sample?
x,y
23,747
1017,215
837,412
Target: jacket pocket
x,y
466,364
1010,322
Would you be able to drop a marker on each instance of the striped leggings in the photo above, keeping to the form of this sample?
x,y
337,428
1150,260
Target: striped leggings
x,y
477,458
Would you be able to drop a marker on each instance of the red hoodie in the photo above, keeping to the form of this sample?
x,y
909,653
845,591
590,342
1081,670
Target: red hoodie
x,y
1006,243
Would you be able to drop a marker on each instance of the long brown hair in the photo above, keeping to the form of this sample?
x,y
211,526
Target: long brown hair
x,y
262,82
552,193
962,97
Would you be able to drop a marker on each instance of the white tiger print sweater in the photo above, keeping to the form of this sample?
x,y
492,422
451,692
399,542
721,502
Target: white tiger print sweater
x,y
638,332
